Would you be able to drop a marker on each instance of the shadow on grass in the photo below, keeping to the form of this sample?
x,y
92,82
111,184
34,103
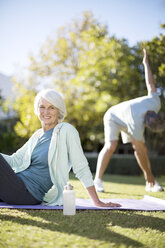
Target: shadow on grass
x,y
98,225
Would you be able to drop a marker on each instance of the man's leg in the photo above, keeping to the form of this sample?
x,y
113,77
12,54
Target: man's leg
x,y
141,154
102,162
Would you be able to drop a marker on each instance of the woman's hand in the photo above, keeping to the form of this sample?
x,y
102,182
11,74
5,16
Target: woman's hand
x,y
93,194
107,204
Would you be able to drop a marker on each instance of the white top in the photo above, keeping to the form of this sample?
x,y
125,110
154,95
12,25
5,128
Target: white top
x,y
130,114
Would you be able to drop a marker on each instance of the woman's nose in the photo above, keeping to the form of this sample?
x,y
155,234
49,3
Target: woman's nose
x,y
46,111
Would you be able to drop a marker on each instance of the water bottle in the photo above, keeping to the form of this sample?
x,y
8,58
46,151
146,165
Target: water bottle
x,y
69,205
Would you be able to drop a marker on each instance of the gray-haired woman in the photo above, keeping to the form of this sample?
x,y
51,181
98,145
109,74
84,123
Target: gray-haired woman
x,y
38,171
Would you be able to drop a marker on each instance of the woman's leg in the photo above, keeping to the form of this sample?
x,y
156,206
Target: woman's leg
x,y
12,188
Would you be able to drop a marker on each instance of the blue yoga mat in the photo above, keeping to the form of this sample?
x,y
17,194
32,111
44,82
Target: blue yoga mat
x,y
148,203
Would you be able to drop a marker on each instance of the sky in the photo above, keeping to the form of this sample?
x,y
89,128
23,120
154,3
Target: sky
x,y
25,24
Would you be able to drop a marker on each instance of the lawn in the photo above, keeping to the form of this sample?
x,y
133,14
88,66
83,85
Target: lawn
x,y
92,228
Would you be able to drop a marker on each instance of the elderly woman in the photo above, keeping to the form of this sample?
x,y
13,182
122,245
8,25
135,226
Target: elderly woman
x,y
38,172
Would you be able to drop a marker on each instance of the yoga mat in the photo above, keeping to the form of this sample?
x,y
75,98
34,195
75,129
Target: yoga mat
x,y
148,203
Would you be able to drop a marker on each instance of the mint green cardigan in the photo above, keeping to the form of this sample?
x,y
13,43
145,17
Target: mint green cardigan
x,y
65,152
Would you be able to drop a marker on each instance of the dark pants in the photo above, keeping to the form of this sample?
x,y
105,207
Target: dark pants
x,y
12,188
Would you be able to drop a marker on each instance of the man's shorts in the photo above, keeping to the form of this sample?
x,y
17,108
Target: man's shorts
x,y
112,131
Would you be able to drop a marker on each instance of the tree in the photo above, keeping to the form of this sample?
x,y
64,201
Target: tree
x,y
156,51
8,139
28,121
93,71
90,68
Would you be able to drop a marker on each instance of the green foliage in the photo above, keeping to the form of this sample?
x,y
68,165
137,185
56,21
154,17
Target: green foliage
x,y
156,51
24,105
91,69
9,141
1,99
127,165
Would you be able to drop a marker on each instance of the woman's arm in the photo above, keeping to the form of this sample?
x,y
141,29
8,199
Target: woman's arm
x,y
92,192
81,169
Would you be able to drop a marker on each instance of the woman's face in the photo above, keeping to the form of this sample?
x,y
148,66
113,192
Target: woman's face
x,y
48,114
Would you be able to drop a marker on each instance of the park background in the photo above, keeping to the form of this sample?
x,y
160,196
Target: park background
x,y
92,53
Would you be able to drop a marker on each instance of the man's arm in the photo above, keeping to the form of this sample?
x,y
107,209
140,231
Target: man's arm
x,y
150,83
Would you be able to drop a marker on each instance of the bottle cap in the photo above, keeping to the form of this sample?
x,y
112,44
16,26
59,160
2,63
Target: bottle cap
x,y
68,186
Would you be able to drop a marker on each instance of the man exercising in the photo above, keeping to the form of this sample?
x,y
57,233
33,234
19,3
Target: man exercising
x,y
130,119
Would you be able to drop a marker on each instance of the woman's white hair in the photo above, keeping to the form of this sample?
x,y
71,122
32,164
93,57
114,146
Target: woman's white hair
x,y
54,98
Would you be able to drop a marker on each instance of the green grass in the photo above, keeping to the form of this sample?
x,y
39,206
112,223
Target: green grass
x,y
89,228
